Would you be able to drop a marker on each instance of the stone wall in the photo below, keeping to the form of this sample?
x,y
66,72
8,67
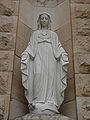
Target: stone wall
x,y
80,15
18,104
68,108
69,101
14,36
16,27
8,28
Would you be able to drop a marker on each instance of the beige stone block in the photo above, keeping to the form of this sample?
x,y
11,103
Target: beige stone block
x,y
62,14
9,7
5,82
17,109
81,18
17,66
26,13
7,41
82,63
20,46
23,37
6,60
67,27
83,108
82,84
70,72
81,44
8,23
18,90
4,106
69,109
64,32
82,11
24,31
68,48
80,1
70,90
61,34
81,27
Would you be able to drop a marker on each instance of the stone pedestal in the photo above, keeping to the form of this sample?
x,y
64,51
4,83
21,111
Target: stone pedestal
x,y
43,117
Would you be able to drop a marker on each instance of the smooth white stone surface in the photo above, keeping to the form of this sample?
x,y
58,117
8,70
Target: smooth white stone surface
x,y
44,68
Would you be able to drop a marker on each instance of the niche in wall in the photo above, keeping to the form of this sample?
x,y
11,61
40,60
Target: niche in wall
x,y
29,11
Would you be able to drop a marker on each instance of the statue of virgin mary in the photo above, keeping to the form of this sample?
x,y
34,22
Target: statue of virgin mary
x,y
44,69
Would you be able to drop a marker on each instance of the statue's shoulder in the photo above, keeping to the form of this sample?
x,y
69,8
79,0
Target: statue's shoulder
x,y
53,33
36,32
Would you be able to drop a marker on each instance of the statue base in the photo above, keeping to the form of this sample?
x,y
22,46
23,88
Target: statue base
x,y
43,117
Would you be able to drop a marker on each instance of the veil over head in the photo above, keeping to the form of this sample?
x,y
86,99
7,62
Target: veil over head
x,y
39,24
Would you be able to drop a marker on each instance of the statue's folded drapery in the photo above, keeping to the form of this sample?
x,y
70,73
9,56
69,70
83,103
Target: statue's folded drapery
x,y
44,68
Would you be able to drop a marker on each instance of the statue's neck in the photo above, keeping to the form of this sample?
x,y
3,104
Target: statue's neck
x,y
44,28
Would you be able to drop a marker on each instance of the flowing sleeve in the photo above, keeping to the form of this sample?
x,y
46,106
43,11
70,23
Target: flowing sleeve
x,y
27,63
62,67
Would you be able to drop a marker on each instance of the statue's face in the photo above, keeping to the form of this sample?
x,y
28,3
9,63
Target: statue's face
x,y
44,20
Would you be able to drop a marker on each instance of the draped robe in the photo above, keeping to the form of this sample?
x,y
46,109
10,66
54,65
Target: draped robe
x,y
44,69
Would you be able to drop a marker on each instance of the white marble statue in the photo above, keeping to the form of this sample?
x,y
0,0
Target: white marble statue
x,y
44,68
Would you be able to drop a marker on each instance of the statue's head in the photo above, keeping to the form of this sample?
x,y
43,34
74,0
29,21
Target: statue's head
x,y
44,21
